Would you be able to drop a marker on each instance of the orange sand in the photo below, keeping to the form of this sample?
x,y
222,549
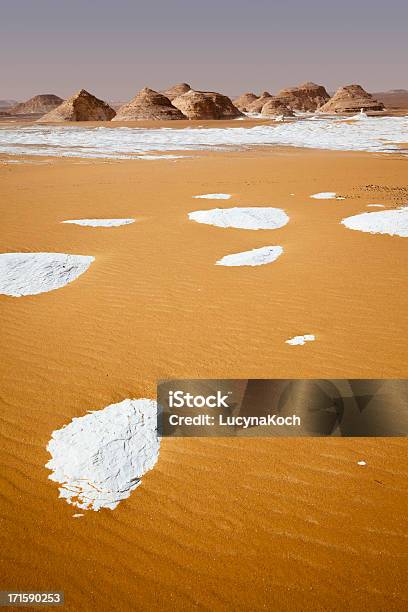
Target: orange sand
x,y
219,524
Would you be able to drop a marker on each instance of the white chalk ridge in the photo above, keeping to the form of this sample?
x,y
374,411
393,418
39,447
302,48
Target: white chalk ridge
x,y
100,222
391,222
301,340
253,218
99,459
33,273
378,134
214,196
255,257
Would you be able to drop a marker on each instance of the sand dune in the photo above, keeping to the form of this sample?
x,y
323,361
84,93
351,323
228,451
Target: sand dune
x,y
279,524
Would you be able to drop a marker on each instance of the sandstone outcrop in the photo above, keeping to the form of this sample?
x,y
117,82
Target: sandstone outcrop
x,y
176,90
82,106
305,97
275,107
148,105
351,99
243,102
41,104
206,105
257,105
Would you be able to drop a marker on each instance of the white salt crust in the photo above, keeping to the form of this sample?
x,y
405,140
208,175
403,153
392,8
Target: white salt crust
x,y
99,459
300,340
100,222
255,257
33,273
214,196
391,222
254,218
378,134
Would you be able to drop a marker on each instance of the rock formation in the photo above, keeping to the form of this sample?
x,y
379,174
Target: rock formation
x,y
275,107
257,105
243,102
305,97
8,103
176,90
82,106
147,105
44,103
351,99
206,105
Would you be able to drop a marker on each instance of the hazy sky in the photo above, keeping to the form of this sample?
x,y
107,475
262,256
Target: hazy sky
x,y
115,47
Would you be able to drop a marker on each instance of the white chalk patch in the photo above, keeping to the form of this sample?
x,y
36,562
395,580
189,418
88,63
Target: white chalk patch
x,y
100,222
214,196
33,273
326,195
256,257
391,222
99,458
77,515
361,462
300,340
375,206
253,218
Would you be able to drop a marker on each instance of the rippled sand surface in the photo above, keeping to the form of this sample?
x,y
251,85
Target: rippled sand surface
x,y
218,524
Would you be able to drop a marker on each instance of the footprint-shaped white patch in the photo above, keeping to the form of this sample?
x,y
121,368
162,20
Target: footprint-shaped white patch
x,y
256,257
214,196
253,218
300,340
391,222
33,273
100,222
326,195
99,459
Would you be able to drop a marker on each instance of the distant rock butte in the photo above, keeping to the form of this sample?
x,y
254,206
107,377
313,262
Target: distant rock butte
x,y
206,105
243,102
8,103
146,105
351,99
275,107
43,103
82,106
257,105
305,97
176,90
